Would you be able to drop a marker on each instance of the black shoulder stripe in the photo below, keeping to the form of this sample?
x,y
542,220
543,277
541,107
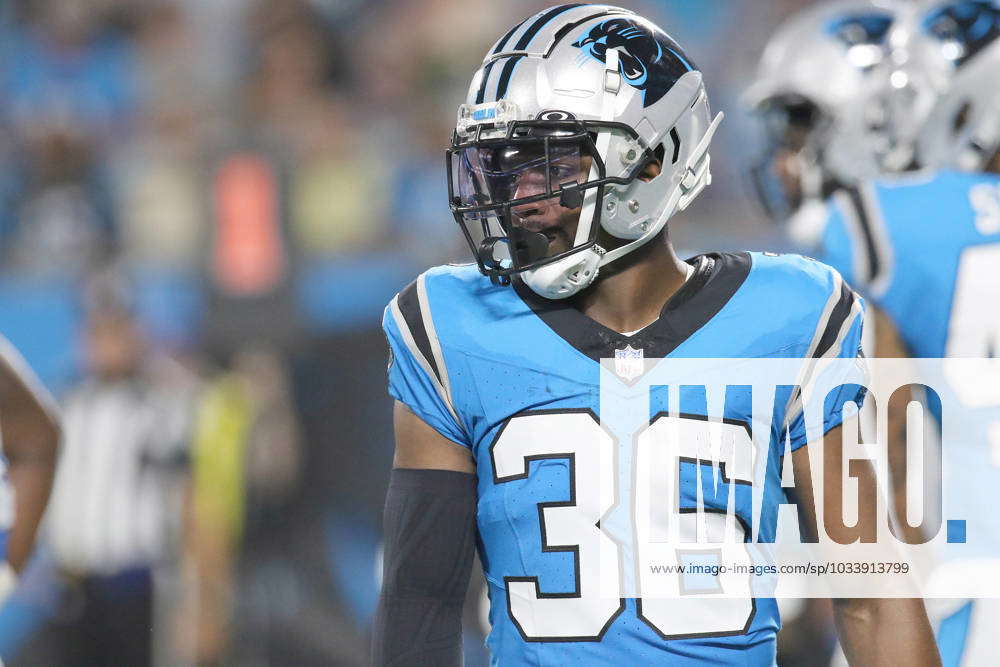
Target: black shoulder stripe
x,y
535,27
481,95
409,306
505,74
503,40
865,223
838,316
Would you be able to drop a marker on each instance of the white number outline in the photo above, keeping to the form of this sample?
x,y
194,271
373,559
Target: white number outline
x,y
540,507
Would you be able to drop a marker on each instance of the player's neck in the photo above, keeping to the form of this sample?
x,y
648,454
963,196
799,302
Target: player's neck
x,y
630,295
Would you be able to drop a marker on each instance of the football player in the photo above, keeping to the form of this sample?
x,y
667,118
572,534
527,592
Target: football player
x,y
584,131
925,249
829,125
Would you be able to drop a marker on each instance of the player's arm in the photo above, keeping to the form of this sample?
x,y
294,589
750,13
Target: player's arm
x,y
30,432
430,536
874,632
889,345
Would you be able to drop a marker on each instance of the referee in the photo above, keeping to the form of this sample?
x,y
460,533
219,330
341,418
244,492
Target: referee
x,y
116,501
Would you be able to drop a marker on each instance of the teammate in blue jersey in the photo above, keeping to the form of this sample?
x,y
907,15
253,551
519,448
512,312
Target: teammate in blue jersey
x,y
925,249
584,131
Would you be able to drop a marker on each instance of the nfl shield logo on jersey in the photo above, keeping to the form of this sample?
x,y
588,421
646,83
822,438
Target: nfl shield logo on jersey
x,y
629,363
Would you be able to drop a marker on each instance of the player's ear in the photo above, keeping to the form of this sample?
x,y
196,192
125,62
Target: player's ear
x,y
654,166
650,171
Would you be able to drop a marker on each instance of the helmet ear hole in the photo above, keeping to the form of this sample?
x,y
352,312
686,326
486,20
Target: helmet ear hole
x,y
676,139
655,167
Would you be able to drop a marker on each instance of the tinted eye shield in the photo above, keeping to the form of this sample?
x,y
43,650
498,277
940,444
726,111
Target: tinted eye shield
x,y
545,148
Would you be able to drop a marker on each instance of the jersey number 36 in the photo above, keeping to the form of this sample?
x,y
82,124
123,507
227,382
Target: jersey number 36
x,y
573,525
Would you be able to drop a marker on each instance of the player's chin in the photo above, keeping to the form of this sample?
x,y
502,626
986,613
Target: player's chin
x,y
557,246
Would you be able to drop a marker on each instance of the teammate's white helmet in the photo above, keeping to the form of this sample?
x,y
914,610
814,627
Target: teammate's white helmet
x,y
950,51
575,82
813,80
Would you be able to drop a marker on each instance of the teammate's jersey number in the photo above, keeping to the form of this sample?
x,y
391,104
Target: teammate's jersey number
x,y
974,330
974,327
586,612
985,201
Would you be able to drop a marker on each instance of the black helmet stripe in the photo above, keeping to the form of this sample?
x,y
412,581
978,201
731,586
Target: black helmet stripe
x,y
505,74
535,27
481,95
503,41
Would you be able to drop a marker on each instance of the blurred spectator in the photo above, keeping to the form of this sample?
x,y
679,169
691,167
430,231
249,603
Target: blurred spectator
x,y
159,173
419,192
56,212
65,69
66,91
254,595
115,507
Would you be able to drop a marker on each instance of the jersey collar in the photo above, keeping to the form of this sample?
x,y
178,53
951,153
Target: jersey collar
x,y
716,279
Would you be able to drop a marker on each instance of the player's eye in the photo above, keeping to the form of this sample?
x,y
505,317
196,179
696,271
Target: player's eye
x,y
561,171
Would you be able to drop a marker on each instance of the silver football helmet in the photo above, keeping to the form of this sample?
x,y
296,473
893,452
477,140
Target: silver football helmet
x,y
566,114
814,79
948,53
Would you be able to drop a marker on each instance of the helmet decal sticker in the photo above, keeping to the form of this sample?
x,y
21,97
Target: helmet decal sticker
x,y
648,60
967,25
860,29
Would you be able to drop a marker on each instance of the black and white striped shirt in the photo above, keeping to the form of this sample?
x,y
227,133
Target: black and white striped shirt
x,y
115,501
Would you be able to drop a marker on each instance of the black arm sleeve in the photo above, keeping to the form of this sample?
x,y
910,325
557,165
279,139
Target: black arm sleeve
x,y
430,537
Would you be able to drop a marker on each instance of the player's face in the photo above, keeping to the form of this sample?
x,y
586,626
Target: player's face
x,y
557,222
787,168
491,176
533,168
113,345
790,126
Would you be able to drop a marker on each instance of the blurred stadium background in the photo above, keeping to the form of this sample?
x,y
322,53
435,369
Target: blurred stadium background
x,y
256,178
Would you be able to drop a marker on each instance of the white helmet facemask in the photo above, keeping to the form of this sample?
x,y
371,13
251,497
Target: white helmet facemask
x,y
640,111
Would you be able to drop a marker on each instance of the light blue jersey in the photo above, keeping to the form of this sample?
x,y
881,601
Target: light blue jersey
x,y
515,379
926,251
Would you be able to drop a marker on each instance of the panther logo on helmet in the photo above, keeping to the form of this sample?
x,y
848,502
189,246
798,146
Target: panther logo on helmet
x,y
968,25
870,28
648,61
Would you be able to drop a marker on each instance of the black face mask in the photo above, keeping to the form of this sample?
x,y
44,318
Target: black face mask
x,y
536,162
791,126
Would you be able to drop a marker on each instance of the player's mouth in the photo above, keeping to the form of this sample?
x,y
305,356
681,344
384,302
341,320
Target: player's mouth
x,y
555,233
